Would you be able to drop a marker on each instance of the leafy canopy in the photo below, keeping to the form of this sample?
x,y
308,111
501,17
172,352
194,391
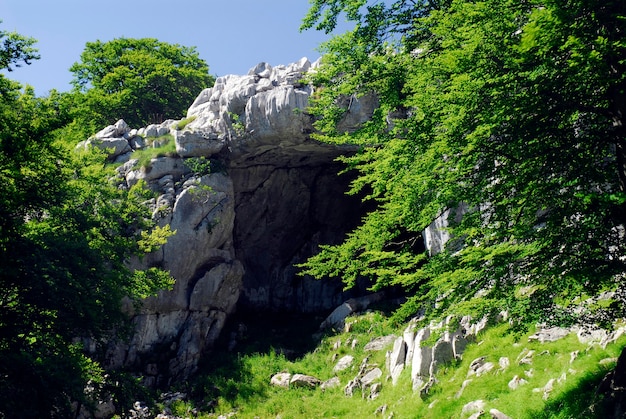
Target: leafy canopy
x,y
511,113
140,80
15,49
66,234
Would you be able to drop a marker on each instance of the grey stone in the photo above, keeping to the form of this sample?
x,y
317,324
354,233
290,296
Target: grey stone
x,y
371,376
305,381
422,355
398,354
330,383
344,363
281,379
496,414
379,343
442,353
515,382
549,335
114,146
197,144
472,407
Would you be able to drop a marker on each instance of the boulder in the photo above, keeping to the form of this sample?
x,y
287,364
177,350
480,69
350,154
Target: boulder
x,y
472,407
515,382
379,343
396,359
344,363
330,383
442,354
496,414
281,379
305,381
422,356
195,144
371,376
549,334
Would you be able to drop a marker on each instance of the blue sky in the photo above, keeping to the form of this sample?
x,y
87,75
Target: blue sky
x,y
230,35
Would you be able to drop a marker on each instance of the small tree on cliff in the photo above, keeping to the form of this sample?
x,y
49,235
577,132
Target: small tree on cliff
x,y
139,80
65,235
515,109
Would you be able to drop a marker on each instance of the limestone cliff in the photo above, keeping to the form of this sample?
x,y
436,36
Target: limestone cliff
x,y
272,196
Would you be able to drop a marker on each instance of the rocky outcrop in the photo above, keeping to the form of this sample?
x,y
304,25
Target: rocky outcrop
x,y
271,197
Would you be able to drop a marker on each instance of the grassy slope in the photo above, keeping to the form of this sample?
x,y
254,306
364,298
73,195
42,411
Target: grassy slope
x,y
240,383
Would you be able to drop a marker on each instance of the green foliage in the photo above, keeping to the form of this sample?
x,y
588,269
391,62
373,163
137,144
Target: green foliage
x,y
15,49
199,166
511,110
134,79
239,382
156,147
184,122
66,235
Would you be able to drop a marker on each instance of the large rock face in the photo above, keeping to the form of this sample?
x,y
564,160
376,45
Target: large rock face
x,y
273,195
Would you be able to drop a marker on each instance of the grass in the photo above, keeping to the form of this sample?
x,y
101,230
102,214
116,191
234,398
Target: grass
x,y
184,122
238,383
157,147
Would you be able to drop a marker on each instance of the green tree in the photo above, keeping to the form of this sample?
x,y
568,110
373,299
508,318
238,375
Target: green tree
x,y
16,50
140,80
66,233
514,110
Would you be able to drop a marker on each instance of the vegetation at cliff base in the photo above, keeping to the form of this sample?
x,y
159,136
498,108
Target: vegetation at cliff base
x,y
237,384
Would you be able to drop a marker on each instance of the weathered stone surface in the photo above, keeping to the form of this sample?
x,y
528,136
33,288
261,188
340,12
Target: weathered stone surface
x,y
306,381
496,414
114,146
330,383
336,319
409,340
473,407
526,356
549,335
279,113
359,109
380,343
240,230
463,386
437,235
281,379
516,381
344,363
422,356
194,143
442,354
371,376
396,359
159,167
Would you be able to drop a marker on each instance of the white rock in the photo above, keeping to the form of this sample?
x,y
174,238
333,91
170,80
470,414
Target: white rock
x,y
475,406
371,376
302,380
281,379
549,335
343,363
379,343
496,414
516,382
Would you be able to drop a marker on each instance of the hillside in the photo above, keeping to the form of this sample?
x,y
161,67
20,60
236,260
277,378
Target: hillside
x,y
527,375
